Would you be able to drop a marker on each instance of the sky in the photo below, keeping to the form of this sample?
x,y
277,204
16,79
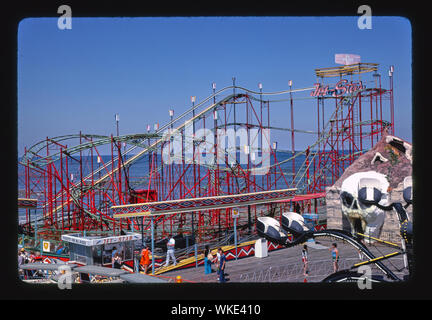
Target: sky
x,y
78,79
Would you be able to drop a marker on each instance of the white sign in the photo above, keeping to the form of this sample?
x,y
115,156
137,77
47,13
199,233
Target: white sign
x,y
46,245
346,59
94,242
235,213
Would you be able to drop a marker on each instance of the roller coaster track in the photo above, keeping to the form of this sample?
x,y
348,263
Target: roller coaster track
x,y
345,236
104,139
128,138
38,162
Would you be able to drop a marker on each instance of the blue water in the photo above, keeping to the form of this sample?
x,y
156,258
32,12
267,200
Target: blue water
x,y
140,168
138,173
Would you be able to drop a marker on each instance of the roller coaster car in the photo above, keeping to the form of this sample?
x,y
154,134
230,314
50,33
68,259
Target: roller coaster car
x,y
407,191
406,229
294,223
269,228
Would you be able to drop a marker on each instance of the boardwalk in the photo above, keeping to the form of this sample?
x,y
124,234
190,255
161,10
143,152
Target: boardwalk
x,y
285,265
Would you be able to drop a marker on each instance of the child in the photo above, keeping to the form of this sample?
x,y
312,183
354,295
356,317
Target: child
x,y
117,261
335,256
305,259
145,258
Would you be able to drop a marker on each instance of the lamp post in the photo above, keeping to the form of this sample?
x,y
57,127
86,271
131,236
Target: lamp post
x,y
235,215
117,119
171,113
391,70
292,128
214,92
152,245
234,106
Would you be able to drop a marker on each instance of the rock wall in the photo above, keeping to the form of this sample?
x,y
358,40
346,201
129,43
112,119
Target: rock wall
x,y
333,206
390,230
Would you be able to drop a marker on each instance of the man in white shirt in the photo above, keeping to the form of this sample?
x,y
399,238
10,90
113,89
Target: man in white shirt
x,y
217,262
170,251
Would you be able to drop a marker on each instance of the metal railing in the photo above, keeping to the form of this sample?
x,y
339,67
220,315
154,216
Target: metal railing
x,y
318,270
198,249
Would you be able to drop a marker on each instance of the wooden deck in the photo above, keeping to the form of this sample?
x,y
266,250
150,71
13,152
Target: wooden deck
x,y
285,265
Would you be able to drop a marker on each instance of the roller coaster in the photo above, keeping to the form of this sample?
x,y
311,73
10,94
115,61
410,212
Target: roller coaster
x,y
66,184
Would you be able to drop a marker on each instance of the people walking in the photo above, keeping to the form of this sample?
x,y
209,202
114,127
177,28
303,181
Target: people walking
x,y
21,260
335,256
305,259
21,257
31,257
170,251
222,265
113,253
208,258
360,254
117,261
217,262
145,258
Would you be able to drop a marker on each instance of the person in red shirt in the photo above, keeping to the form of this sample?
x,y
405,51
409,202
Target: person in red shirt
x,y
145,258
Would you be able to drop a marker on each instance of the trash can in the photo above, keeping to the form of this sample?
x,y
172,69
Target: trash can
x,y
261,250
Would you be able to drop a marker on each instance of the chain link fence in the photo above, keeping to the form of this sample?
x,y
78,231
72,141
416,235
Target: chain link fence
x,y
318,270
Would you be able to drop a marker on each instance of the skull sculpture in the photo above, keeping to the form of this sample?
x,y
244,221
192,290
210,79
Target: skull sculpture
x,y
358,192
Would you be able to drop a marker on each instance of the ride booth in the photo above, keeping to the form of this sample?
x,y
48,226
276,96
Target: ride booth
x,y
94,250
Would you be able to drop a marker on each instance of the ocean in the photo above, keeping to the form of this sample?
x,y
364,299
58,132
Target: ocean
x,y
138,171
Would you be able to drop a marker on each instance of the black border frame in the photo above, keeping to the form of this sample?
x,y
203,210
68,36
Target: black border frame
x,y
207,294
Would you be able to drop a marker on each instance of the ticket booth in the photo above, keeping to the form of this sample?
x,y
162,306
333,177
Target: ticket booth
x,y
93,250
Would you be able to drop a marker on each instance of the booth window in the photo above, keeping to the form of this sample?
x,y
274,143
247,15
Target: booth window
x,y
128,250
78,249
107,257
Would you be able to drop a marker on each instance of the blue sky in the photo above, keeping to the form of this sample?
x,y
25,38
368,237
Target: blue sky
x,y
72,80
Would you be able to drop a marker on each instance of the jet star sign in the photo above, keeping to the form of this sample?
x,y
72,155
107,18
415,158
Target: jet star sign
x,y
341,88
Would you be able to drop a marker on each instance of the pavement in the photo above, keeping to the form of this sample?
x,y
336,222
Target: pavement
x,y
285,265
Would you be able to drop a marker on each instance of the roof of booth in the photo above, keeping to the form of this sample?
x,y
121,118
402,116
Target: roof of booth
x,y
45,266
141,278
94,241
101,271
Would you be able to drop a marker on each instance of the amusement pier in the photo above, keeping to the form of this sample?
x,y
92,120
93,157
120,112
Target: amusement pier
x,y
213,177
